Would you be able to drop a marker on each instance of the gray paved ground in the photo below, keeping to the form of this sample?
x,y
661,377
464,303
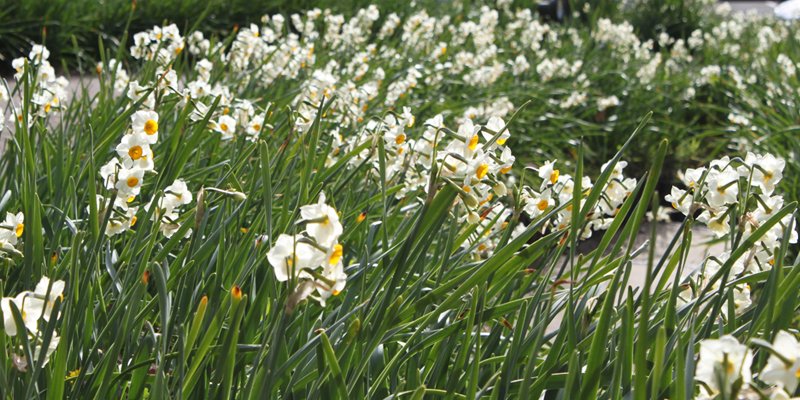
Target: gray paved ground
x,y
665,232
75,88
762,7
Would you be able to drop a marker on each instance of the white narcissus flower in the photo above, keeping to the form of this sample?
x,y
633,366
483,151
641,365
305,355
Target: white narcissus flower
x,y
408,118
774,203
719,223
326,229
767,170
776,372
395,135
680,200
741,300
117,224
726,355
780,394
12,228
38,54
32,306
226,125
51,347
254,127
548,173
9,323
537,205
134,147
435,123
333,271
723,186
496,124
109,173
289,257
129,182
40,303
507,160
144,163
177,194
169,229
146,122
478,167
691,178
305,120
469,131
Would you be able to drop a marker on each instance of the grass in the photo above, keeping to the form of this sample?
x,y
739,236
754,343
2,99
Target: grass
x,y
317,253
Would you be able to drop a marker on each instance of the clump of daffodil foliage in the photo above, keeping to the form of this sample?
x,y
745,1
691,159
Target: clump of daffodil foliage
x,y
293,213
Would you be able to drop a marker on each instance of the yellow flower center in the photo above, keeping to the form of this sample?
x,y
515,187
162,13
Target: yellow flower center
x,y
362,216
473,143
19,230
132,181
542,205
505,170
482,170
257,127
501,141
336,292
400,139
337,254
223,127
554,177
133,221
150,127
135,152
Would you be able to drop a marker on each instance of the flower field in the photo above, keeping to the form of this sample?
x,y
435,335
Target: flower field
x,y
389,205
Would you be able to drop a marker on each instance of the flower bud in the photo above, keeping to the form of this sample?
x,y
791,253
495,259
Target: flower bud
x,y
473,217
500,189
201,208
238,196
470,200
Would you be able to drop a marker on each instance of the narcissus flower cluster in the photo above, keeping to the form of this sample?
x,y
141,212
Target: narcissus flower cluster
x,y
736,197
33,306
724,366
312,258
